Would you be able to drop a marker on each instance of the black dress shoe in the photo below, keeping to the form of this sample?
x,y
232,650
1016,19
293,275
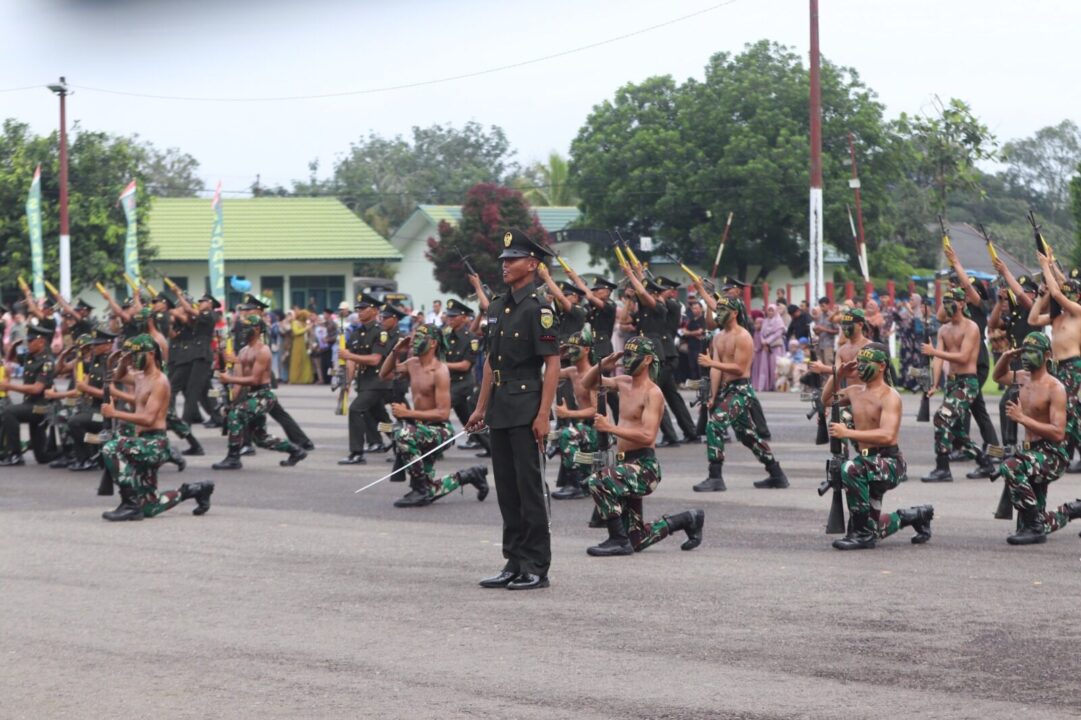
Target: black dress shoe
x,y
294,458
692,440
60,463
247,450
528,581
498,581
307,445
484,454
353,459
212,423
12,461
668,443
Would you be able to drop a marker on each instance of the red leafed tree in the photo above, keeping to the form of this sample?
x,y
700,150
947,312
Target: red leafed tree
x,y
488,213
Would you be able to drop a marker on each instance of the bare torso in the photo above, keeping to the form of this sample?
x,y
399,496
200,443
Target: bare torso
x,y
952,337
422,382
1066,338
734,345
1036,398
639,408
255,361
147,388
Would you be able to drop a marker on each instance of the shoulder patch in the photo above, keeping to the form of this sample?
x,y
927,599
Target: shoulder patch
x,y
547,319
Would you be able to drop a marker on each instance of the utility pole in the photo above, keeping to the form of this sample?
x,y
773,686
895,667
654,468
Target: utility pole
x,y
61,89
861,242
816,284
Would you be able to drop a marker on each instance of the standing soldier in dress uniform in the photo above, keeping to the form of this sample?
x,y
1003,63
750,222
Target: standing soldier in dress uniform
x,y
570,316
38,373
958,343
134,459
461,348
1042,458
618,491
248,413
192,367
879,466
395,386
521,371
365,355
730,397
601,316
95,347
666,380
425,426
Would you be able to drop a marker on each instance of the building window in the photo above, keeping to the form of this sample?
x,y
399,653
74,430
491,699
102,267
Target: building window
x,y
316,292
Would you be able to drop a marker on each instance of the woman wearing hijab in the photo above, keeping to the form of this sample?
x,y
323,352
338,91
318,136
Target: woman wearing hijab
x,y
771,338
300,364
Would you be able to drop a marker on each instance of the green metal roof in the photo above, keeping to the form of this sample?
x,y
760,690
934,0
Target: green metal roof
x,y
266,228
552,218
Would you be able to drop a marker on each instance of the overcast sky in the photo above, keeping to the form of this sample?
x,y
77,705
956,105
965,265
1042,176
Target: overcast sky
x,y
1015,63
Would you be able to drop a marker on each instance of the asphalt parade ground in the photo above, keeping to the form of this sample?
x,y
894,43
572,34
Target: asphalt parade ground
x,y
295,598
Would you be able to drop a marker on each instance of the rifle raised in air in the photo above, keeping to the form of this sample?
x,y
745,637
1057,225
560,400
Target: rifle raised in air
x,y
835,525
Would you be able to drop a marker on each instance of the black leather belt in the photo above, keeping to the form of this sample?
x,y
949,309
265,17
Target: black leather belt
x,y
891,451
631,455
964,376
500,379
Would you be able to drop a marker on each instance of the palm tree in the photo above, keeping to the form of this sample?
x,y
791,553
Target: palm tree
x,y
546,185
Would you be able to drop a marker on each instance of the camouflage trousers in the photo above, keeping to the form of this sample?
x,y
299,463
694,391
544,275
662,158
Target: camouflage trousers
x,y
413,439
951,420
1027,475
866,479
1068,372
618,492
177,426
732,409
134,462
249,413
576,436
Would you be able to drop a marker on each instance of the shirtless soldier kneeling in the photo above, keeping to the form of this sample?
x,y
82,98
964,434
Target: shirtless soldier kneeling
x,y
618,490
1043,456
880,466
427,423
134,460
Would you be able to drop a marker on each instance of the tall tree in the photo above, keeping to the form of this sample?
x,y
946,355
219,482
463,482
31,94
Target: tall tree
x,y
1043,164
547,184
1075,210
100,166
489,211
170,172
383,179
670,161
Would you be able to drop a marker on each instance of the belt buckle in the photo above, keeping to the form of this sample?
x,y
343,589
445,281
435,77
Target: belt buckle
x,y
620,455
497,376
865,451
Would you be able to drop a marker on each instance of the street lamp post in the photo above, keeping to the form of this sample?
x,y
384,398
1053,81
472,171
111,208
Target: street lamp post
x,y
61,89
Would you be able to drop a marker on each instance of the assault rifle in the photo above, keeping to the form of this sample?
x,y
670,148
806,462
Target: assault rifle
x,y
835,525
812,393
108,430
341,377
923,377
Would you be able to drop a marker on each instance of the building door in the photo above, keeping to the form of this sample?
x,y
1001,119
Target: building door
x,y
316,292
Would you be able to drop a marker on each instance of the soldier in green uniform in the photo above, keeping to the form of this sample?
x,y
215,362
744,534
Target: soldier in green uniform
x,y
191,359
461,348
38,373
618,490
366,354
95,347
521,371
879,466
395,387
1042,458
424,427
666,380
134,459
248,412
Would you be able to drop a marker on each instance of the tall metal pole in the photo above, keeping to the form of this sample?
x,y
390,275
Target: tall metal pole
x,y
815,210
861,248
61,89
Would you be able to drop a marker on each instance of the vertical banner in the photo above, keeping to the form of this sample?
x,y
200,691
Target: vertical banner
x,y
131,243
33,221
217,250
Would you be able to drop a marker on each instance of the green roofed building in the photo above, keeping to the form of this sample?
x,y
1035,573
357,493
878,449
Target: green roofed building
x,y
295,251
414,272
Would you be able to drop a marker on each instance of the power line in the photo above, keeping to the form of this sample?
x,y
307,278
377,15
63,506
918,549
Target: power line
x,y
422,83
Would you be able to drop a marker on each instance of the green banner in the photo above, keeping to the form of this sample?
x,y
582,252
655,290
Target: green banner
x,y
131,242
217,250
33,221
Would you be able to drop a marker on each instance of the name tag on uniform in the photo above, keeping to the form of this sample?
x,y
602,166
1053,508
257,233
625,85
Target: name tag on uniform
x,y
69,402
214,393
40,410
97,417
92,438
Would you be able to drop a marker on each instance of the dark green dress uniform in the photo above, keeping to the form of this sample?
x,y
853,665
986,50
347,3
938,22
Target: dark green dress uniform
x,y
87,418
395,389
461,345
652,322
1015,323
367,409
33,410
521,334
666,379
603,322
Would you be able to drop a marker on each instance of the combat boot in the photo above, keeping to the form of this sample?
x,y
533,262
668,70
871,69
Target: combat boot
x,y
573,489
201,491
919,519
413,498
859,537
128,508
617,543
177,459
231,461
1073,510
477,476
295,456
691,522
194,448
777,479
1032,531
715,481
941,473
985,467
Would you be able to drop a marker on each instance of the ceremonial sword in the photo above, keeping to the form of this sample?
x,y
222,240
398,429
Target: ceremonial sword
x,y
411,462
